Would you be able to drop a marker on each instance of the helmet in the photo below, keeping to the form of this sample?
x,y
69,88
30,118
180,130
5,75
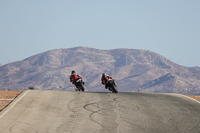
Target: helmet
x,y
103,75
73,72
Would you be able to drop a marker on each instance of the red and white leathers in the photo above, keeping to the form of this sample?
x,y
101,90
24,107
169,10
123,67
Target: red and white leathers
x,y
74,77
105,79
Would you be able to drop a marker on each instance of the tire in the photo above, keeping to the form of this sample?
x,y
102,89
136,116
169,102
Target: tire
x,y
77,88
82,87
114,89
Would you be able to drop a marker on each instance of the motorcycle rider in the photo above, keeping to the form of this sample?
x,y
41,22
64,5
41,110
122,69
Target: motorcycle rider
x,y
105,78
73,77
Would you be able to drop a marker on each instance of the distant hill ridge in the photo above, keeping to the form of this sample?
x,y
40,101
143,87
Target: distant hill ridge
x,y
133,70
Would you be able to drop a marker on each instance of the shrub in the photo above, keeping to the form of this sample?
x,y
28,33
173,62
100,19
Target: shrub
x,y
31,88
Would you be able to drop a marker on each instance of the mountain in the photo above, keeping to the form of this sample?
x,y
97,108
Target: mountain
x,y
132,69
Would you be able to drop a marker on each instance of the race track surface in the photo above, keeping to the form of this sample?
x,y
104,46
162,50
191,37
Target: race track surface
x,y
100,112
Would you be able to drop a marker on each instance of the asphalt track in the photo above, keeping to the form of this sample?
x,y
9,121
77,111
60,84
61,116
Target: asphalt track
x,y
103,112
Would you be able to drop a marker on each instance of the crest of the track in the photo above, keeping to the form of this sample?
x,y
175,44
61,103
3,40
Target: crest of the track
x,y
93,112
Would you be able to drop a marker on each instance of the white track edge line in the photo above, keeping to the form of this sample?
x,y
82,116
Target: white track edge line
x,y
5,99
15,102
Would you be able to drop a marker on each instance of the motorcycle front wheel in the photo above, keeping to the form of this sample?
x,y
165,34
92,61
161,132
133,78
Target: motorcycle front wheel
x,y
82,87
114,89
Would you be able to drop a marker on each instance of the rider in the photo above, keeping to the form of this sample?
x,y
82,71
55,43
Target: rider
x,y
105,78
73,77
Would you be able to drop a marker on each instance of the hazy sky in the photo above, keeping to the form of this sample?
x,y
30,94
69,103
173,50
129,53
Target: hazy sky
x,y
170,28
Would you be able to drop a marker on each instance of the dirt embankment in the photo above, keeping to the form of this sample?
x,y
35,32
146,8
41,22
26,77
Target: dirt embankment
x,y
195,97
6,97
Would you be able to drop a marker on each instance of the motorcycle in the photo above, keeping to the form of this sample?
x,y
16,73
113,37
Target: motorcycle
x,y
112,86
79,85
